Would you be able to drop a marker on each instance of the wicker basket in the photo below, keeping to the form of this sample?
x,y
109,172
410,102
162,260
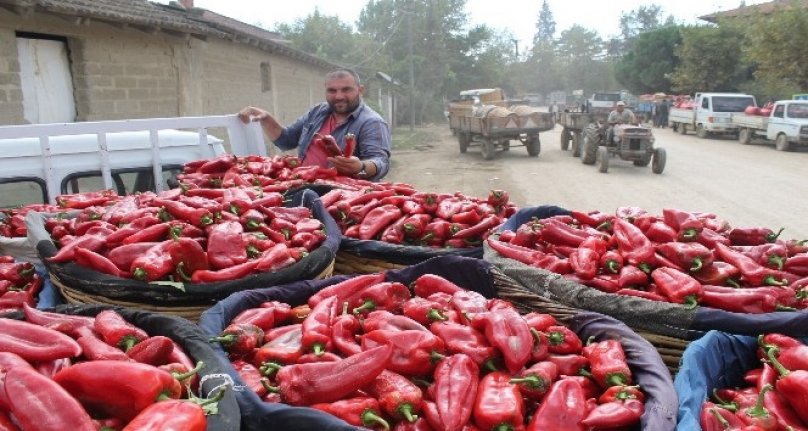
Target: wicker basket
x,y
669,348
349,263
190,312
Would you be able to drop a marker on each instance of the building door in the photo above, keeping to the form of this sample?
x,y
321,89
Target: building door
x,y
47,85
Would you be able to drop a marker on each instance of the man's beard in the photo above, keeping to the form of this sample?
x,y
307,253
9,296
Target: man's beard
x,y
349,107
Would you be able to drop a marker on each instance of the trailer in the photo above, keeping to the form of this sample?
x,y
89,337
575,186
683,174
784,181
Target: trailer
x,y
574,124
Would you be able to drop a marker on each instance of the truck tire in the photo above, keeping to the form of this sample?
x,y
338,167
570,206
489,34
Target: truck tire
x,y
682,129
603,159
745,136
674,127
659,161
488,148
701,132
781,143
590,150
533,146
565,139
505,144
577,143
463,139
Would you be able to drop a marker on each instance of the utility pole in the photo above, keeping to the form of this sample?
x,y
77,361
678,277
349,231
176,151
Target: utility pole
x,y
412,72
516,45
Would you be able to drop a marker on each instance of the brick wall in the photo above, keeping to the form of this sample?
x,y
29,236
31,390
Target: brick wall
x,y
126,73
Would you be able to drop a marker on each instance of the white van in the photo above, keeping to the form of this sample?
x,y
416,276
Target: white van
x,y
711,114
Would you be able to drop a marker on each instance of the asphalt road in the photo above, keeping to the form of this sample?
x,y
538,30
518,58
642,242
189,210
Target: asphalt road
x,y
747,185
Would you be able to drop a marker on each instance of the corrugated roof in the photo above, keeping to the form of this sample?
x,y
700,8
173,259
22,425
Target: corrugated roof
x,y
196,21
763,8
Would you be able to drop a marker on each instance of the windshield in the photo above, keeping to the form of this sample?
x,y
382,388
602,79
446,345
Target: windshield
x,y
798,110
606,97
732,104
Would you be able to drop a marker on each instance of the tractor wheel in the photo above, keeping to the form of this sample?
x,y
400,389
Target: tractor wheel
x,y
674,127
488,149
505,144
659,161
565,139
577,143
644,161
464,140
603,159
701,132
745,136
533,146
781,143
590,150
682,129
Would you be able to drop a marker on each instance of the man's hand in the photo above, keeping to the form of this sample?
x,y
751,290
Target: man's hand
x,y
252,113
346,165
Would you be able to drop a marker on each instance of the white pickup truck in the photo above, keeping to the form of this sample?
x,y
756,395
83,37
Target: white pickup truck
x,y
711,114
786,125
41,161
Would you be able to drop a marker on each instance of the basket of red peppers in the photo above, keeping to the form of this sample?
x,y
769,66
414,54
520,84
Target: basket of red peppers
x,y
734,382
19,284
428,347
182,250
387,226
86,368
669,276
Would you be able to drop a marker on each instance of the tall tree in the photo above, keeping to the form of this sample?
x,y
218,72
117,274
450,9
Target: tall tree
x,y
545,26
582,60
322,35
777,47
542,66
710,59
635,23
647,66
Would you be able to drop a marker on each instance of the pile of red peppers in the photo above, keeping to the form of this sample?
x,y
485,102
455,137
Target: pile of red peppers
x,y
776,397
399,214
430,356
63,372
197,235
19,284
680,257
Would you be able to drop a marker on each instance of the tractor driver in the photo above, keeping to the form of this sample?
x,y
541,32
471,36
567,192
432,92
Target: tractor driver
x,y
620,115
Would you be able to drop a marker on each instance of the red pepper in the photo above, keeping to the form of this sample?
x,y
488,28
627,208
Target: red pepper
x,y
499,404
45,318
772,255
569,365
377,220
116,331
454,392
535,381
797,264
93,242
323,382
8,361
173,414
212,166
609,283
611,262
263,318
478,230
6,424
607,363
563,408
424,311
584,262
718,274
469,303
677,286
233,273
343,334
754,273
467,340
345,289
251,376
86,199
660,232
188,257
507,331
413,350
240,338
155,264
317,326
116,388
714,418
753,235
284,348
124,255
614,414
563,340
95,349
745,300
359,411
226,246
427,284
153,351
388,296
39,403
635,247
397,395
685,223
558,233
759,415
34,342
692,255
621,393
97,262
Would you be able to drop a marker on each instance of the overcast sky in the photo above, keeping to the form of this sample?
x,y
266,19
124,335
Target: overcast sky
x,y
517,16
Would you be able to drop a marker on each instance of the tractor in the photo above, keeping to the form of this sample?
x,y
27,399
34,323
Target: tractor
x,y
628,142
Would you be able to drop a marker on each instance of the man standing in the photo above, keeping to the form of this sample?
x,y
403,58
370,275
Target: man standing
x,y
343,112
663,113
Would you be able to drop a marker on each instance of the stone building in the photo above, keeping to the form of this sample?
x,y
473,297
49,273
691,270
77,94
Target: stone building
x,y
90,60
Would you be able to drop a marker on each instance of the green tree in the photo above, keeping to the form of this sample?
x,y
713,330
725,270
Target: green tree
x,y
776,45
634,23
322,35
647,66
540,74
710,59
545,26
582,62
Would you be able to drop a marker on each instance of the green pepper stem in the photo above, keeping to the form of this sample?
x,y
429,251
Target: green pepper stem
x,y
724,423
368,305
616,379
190,373
224,340
318,349
271,389
697,264
436,357
406,410
758,410
370,418
612,266
772,354
691,302
532,381
435,315
268,368
733,283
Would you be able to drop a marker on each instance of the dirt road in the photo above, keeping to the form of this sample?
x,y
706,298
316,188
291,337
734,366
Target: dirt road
x,y
747,185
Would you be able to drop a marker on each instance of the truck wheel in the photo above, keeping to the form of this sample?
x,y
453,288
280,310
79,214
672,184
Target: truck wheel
x,y
659,161
745,136
590,150
533,146
463,139
701,132
682,129
505,144
603,158
488,149
577,143
674,127
565,139
781,143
